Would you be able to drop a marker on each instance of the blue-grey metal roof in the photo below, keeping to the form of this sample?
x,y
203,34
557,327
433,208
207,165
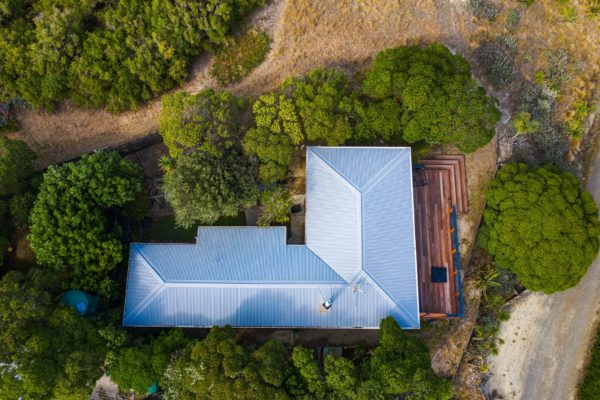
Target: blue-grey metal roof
x,y
359,254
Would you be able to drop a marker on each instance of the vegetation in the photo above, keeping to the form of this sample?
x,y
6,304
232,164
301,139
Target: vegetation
x,y
138,366
4,231
211,122
524,125
202,188
591,382
48,351
217,367
539,224
439,99
240,56
74,228
115,54
16,166
277,204
314,109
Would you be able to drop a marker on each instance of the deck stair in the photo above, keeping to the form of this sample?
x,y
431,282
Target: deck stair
x,y
455,165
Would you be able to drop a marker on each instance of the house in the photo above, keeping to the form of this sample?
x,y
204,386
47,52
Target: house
x,y
358,264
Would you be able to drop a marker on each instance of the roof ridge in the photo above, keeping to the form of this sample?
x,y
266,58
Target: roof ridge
x,y
405,314
375,179
337,172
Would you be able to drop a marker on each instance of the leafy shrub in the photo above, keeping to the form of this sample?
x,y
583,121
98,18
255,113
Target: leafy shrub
x,y
202,188
524,125
277,203
16,166
20,207
576,117
211,122
513,19
590,387
539,224
440,100
4,232
498,67
484,9
70,230
240,56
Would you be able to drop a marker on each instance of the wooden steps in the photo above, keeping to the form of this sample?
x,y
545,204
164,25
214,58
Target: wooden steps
x,y
455,165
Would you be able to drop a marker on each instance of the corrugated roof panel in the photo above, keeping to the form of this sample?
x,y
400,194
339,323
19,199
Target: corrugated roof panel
x,y
389,252
142,280
195,305
358,165
332,217
238,254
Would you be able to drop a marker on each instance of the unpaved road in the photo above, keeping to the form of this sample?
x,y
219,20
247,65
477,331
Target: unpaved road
x,y
548,337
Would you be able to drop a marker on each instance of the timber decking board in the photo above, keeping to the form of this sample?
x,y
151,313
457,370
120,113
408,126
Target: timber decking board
x,y
434,243
463,174
455,190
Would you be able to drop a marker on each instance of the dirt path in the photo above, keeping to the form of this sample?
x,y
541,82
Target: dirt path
x,y
548,337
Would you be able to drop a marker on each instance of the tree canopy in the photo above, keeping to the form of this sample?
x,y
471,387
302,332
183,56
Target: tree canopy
x,y
70,227
439,99
16,166
115,54
202,188
139,366
48,351
211,122
541,225
218,367
314,109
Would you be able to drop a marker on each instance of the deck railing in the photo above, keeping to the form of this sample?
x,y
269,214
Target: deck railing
x,y
456,255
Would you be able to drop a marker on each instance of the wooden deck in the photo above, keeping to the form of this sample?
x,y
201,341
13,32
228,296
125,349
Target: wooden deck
x,y
439,186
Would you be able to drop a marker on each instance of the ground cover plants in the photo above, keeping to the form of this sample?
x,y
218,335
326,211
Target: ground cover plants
x,y
590,386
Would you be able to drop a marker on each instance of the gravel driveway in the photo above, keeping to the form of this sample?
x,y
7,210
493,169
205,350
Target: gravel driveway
x,y
547,337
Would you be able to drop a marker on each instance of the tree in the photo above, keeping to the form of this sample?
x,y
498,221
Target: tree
x,y
324,101
4,231
203,188
210,122
16,166
400,366
70,229
440,100
277,203
50,352
138,367
219,368
342,377
308,369
540,224
276,135
314,109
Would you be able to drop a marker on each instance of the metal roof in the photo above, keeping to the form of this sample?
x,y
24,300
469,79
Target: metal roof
x,y
359,254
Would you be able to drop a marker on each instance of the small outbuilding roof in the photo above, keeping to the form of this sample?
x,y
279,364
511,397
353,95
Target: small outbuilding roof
x,y
359,255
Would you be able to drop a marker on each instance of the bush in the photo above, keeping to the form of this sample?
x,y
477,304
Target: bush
x,y
70,229
539,224
4,232
483,9
211,122
240,56
16,166
203,188
590,387
277,203
440,100
498,67
20,207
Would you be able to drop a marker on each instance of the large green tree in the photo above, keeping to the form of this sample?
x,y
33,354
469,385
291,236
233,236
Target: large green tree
x,y
202,188
16,166
140,365
439,99
211,122
541,225
219,368
313,109
47,351
70,229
